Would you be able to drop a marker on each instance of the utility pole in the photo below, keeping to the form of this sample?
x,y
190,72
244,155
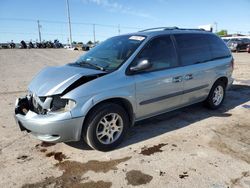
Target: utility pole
x,y
70,34
216,27
94,32
39,31
119,30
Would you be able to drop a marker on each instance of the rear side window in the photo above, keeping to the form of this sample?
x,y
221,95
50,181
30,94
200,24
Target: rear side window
x,y
218,47
193,48
160,52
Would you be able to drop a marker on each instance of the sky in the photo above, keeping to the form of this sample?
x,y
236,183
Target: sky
x,y
18,18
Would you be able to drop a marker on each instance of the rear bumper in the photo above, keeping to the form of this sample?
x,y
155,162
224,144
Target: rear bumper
x,y
57,127
230,82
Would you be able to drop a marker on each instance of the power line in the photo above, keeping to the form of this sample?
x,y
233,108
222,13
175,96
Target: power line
x,y
90,24
18,19
75,23
53,34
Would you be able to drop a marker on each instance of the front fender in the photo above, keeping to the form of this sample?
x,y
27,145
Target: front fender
x,y
83,105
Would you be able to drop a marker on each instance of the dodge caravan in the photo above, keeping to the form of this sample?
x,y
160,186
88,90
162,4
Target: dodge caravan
x,y
125,79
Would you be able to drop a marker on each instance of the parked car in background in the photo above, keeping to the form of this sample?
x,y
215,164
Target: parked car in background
x,y
122,80
12,45
85,47
30,45
57,44
4,46
239,44
226,40
23,45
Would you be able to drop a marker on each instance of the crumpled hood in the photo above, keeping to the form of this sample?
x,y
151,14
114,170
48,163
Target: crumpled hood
x,y
54,80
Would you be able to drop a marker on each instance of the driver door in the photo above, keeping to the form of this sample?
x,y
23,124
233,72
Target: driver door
x,y
160,87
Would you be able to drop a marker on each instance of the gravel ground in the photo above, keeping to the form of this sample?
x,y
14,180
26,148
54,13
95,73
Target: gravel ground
x,y
190,147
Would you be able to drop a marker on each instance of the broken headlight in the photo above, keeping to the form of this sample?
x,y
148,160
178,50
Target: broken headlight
x,y
61,105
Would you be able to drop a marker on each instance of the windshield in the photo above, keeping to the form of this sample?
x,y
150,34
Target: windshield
x,y
112,53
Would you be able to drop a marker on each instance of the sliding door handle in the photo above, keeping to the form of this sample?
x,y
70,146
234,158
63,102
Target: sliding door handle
x,y
177,79
188,77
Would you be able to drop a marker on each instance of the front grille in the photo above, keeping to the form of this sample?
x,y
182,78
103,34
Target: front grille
x,y
36,107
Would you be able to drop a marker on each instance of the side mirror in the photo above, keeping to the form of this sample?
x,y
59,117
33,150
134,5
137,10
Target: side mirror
x,y
142,64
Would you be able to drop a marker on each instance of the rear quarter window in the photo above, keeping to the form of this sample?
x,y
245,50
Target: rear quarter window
x,y
193,48
200,48
218,47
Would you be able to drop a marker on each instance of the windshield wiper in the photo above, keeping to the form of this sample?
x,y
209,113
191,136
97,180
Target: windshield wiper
x,y
93,65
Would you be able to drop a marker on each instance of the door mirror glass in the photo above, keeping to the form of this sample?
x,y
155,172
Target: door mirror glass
x,y
142,64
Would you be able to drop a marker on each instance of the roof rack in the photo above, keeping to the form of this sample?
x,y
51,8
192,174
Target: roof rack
x,y
170,28
193,29
159,28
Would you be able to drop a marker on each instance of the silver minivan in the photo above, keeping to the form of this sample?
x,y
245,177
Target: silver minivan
x,y
125,79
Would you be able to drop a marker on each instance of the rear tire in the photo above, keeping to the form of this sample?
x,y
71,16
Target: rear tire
x,y
106,127
216,95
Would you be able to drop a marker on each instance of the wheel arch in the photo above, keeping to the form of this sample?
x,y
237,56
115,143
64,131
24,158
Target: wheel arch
x,y
124,103
222,79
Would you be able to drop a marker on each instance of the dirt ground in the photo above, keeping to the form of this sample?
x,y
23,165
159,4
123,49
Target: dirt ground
x,y
190,147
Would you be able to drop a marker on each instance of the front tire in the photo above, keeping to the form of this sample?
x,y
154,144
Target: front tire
x,y
106,127
216,95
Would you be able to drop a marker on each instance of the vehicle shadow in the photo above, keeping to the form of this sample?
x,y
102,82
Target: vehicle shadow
x,y
81,144
172,121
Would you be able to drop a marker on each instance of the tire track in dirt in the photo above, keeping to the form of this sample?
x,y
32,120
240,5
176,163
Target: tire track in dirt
x,y
232,140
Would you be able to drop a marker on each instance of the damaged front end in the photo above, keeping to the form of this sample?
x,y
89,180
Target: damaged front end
x,y
43,105
46,114
48,118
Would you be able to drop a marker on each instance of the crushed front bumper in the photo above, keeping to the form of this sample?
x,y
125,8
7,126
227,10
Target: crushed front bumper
x,y
51,127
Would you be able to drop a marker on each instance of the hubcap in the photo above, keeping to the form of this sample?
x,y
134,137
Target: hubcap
x,y
218,95
109,128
